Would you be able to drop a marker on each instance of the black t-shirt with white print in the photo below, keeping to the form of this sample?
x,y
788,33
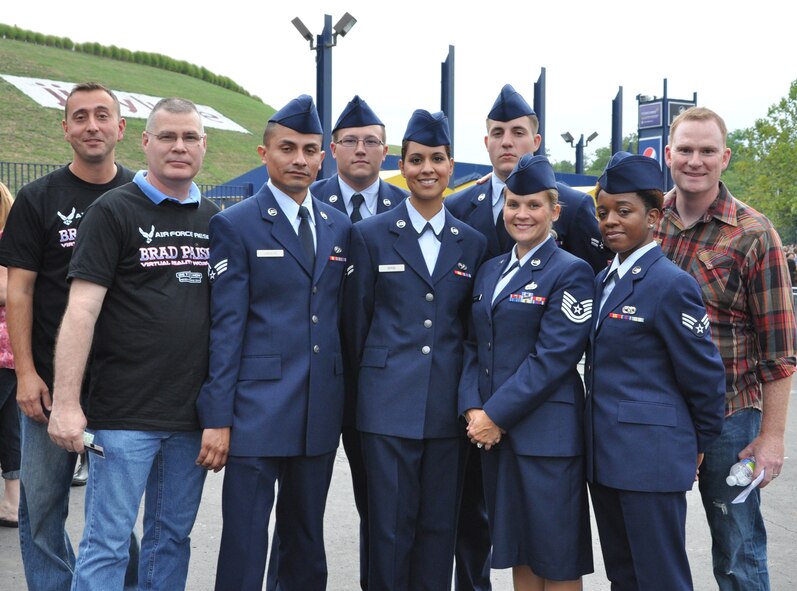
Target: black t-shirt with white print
x,y
150,350
39,236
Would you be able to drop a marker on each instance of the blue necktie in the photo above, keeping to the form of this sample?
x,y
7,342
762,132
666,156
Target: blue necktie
x,y
356,201
428,227
306,235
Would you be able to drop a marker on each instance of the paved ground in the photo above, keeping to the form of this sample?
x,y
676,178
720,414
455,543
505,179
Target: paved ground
x,y
780,512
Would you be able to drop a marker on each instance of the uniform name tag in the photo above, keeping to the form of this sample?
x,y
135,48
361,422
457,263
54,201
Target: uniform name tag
x,y
391,268
270,253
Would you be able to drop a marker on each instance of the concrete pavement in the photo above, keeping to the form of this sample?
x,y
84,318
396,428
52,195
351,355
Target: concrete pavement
x,y
780,512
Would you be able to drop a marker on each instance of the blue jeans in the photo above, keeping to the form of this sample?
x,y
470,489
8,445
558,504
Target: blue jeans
x,y
162,464
739,539
46,477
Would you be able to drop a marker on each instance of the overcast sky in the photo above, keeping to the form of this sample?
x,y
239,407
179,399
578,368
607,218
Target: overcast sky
x,y
738,57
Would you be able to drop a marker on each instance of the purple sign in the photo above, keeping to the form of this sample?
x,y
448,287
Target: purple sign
x,y
650,115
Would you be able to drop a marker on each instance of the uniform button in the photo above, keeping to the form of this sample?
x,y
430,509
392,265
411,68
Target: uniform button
x,y
315,289
314,319
426,349
489,346
487,370
316,348
427,323
429,297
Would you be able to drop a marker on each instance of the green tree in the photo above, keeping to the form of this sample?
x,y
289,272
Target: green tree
x,y
564,166
598,162
762,170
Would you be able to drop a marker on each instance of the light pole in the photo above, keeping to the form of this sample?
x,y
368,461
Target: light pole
x,y
323,47
566,136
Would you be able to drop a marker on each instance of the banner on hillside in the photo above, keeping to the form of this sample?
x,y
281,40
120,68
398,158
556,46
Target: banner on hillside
x,y
53,93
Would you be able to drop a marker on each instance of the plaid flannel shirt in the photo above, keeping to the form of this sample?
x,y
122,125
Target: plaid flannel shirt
x,y
737,258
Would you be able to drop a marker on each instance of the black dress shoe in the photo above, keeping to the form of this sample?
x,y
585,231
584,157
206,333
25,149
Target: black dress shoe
x,y
81,475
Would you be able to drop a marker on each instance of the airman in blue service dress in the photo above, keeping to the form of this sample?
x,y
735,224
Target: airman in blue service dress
x,y
361,163
655,388
380,196
576,231
276,368
530,322
479,205
406,303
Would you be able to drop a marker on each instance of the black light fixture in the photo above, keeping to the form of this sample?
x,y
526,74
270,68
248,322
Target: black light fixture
x,y
303,30
568,137
344,25
322,45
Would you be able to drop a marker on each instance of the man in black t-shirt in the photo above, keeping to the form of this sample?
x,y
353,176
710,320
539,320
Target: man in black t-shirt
x,y
139,301
36,247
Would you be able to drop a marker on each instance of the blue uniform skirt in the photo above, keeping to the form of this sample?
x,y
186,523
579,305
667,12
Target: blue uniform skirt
x,y
538,513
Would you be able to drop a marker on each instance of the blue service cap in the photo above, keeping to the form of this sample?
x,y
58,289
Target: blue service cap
x,y
509,105
629,173
357,114
429,129
299,115
531,174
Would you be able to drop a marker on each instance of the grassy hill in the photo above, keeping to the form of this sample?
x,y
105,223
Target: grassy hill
x,y
31,133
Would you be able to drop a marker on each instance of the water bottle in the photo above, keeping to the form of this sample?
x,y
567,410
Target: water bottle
x,y
741,473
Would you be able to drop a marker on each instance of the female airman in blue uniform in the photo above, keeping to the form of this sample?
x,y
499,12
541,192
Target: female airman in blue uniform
x,y
407,298
522,395
655,388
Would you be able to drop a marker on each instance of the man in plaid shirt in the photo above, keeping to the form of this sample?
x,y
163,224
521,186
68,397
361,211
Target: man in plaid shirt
x,y
737,258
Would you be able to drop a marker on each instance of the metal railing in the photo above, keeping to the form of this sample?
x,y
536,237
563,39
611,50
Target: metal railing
x,y
17,174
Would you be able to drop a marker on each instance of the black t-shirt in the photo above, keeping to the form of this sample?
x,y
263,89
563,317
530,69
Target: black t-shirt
x,y
39,236
150,351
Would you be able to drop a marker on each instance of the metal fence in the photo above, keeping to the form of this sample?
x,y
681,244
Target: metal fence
x,y
17,174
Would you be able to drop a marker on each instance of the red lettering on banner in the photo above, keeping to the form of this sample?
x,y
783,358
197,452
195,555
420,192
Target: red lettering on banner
x,y
210,116
142,101
59,93
128,104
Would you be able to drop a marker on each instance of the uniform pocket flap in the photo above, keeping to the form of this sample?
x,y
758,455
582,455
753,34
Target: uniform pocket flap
x,y
647,413
374,357
260,367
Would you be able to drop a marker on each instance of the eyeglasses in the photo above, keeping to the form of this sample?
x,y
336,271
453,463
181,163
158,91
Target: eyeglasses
x,y
351,142
169,137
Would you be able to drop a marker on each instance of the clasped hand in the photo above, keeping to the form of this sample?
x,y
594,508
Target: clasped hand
x,y
481,429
